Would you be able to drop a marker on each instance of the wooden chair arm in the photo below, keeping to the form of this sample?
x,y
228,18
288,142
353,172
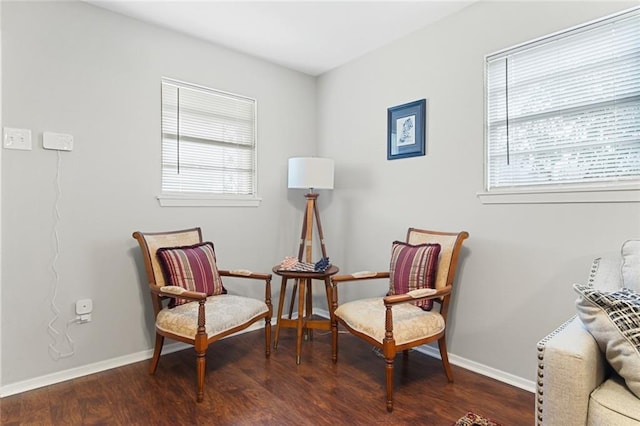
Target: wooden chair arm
x,y
356,276
359,276
175,291
416,295
244,273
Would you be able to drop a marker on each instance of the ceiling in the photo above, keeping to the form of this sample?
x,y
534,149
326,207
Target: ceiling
x,y
308,36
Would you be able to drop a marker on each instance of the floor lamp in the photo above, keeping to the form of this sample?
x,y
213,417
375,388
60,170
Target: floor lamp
x,y
310,173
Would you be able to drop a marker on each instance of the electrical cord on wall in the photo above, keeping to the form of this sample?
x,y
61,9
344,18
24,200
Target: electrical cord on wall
x,y
55,334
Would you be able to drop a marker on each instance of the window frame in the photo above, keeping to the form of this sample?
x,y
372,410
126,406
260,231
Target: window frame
x,y
204,199
610,191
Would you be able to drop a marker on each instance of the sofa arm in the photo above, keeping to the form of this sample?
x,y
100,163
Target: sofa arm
x,y
570,367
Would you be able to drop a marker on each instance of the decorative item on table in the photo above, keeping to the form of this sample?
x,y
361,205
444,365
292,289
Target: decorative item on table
x,y
290,263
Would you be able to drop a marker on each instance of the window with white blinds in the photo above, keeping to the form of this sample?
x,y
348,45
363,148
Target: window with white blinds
x,y
565,110
208,141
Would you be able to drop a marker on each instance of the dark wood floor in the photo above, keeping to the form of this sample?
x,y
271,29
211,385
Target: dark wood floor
x,y
244,388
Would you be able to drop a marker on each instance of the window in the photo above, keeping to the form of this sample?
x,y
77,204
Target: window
x,y
564,111
208,146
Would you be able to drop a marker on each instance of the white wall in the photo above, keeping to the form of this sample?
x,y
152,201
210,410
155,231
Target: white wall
x,y
73,68
515,276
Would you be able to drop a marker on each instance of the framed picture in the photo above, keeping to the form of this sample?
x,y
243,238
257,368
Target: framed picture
x,y
406,125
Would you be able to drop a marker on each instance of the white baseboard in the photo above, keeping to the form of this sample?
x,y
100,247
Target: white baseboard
x,y
485,370
85,370
467,364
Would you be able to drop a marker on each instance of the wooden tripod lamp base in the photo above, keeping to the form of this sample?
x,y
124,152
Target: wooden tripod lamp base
x,y
306,237
310,173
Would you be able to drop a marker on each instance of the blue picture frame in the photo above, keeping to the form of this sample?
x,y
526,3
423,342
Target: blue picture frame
x,y
406,130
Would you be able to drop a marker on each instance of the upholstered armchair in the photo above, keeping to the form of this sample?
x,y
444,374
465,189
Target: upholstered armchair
x,y
589,367
182,271
422,272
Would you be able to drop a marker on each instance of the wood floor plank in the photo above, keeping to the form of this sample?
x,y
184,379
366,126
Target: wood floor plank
x,y
64,405
242,387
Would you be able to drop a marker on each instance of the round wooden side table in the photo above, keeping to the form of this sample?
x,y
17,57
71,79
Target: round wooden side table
x,y
304,321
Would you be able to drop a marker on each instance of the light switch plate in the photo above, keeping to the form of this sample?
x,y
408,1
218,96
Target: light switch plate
x,y
58,141
17,139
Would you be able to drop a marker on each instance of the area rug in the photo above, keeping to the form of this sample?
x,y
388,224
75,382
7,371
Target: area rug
x,y
473,419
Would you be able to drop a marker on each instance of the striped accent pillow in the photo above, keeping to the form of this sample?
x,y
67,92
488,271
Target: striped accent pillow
x,y
192,268
413,267
613,318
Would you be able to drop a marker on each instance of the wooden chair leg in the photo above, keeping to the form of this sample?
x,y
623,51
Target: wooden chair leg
x,y
442,344
389,351
389,379
334,341
156,353
267,336
201,344
200,369
332,295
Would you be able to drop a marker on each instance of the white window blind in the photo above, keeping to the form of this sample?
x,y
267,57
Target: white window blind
x,y
565,110
208,141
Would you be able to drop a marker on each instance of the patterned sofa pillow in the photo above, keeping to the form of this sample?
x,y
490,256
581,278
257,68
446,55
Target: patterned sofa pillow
x,y
613,318
413,267
192,268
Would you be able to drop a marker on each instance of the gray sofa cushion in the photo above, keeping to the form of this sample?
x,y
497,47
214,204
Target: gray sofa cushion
x,y
612,404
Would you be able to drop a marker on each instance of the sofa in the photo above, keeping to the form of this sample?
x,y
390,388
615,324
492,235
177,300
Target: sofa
x,y
589,367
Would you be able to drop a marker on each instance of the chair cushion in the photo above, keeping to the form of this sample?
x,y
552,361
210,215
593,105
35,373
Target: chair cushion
x,y
192,268
613,318
410,322
413,267
222,313
631,264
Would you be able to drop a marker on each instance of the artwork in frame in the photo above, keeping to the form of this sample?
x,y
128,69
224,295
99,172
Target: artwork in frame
x,y
406,130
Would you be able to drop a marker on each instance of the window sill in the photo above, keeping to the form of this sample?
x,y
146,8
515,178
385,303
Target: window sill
x,y
567,196
196,200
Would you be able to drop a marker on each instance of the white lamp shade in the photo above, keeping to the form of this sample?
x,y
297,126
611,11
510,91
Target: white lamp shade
x,y
311,172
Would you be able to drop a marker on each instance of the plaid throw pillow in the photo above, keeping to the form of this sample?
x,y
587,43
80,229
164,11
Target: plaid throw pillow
x,y
192,268
613,318
413,267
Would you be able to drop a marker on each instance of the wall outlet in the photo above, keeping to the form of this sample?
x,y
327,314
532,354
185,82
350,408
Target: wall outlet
x,y
84,306
17,139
